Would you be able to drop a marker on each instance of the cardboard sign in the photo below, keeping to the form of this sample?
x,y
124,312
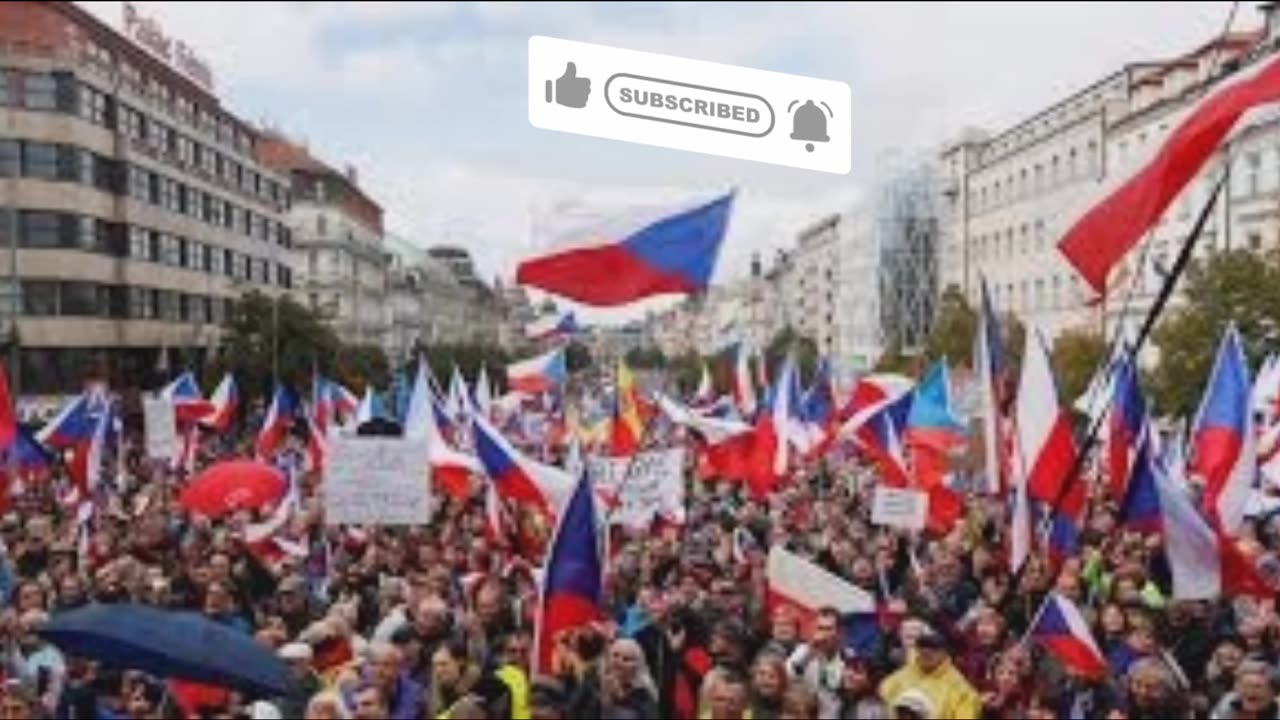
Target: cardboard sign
x,y
650,485
899,508
376,481
160,426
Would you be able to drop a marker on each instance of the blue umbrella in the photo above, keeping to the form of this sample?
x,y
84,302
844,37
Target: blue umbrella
x,y
168,644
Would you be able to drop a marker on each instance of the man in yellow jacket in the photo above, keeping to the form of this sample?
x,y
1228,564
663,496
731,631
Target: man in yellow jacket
x,y
930,686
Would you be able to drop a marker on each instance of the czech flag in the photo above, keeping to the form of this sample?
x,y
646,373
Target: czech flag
x,y
993,371
543,373
1045,449
804,587
1223,443
1109,229
725,444
279,420
933,431
625,259
189,404
225,401
29,459
818,410
1066,523
345,402
1205,564
776,426
1127,421
74,424
548,327
1064,632
451,470
572,592
517,477
628,427
1140,507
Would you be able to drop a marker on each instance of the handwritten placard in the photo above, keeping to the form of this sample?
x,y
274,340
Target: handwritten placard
x,y
653,485
160,426
376,481
899,508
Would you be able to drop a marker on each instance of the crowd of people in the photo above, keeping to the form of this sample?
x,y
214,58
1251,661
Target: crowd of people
x,y
438,621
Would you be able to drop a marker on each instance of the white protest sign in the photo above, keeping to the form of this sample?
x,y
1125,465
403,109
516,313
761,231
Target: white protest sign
x,y
161,429
376,481
899,508
654,485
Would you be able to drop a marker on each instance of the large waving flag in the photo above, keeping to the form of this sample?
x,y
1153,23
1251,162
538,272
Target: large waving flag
x,y
189,404
818,409
1224,452
992,382
225,401
805,587
725,444
627,427
1104,234
1205,564
73,424
572,592
1044,449
1140,503
559,325
451,470
625,259
517,477
872,394
1064,632
543,373
280,417
933,430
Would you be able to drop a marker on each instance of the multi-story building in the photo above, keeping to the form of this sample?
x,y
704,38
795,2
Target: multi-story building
x,y
517,314
1008,197
425,302
132,201
337,242
482,318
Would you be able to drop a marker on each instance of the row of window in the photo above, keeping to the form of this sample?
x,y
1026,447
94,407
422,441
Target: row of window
x,y
1007,245
1037,178
61,92
1028,296
174,104
43,229
60,298
59,162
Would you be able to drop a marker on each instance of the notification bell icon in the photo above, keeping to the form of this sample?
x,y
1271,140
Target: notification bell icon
x,y
809,123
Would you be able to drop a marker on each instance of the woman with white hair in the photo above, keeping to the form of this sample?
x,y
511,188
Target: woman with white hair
x,y
629,690
327,706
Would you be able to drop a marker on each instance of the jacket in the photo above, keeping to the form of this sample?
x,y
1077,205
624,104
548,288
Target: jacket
x,y
952,697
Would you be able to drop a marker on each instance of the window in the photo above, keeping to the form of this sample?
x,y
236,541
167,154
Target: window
x,y
186,150
1039,298
142,303
285,276
140,243
142,186
10,158
167,305
157,136
130,123
6,87
1054,174
80,298
1253,161
1255,241
40,160
170,250
1055,293
229,263
91,234
41,229
40,91
1091,160
322,224
195,255
93,106
208,160
1071,164
170,195
39,297
218,310
215,261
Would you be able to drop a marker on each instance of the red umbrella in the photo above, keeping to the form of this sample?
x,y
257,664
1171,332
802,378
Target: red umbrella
x,y
233,485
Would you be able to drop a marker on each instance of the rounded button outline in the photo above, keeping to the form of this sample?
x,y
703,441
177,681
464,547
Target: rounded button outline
x,y
615,76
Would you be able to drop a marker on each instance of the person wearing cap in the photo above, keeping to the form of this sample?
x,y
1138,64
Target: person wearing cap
x,y
930,674
299,656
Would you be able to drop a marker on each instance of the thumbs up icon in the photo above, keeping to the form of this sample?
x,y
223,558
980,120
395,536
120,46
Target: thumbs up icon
x,y
570,90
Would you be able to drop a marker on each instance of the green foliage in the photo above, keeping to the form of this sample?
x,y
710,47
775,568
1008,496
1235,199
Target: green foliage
x,y
1234,286
577,357
304,343
953,329
895,361
361,365
648,358
468,357
686,371
1077,354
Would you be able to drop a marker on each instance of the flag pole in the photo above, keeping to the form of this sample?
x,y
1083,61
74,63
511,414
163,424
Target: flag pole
x,y
1035,619
1162,298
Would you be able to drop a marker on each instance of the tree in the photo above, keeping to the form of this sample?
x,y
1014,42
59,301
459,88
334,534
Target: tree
x,y
251,335
686,371
577,357
953,330
359,366
647,358
1076,357
895,361
1233,286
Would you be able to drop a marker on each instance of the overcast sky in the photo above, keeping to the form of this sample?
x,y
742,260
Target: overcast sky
x,y
428,100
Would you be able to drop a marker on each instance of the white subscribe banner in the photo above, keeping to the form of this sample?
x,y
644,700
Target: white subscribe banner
x,y
690,105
